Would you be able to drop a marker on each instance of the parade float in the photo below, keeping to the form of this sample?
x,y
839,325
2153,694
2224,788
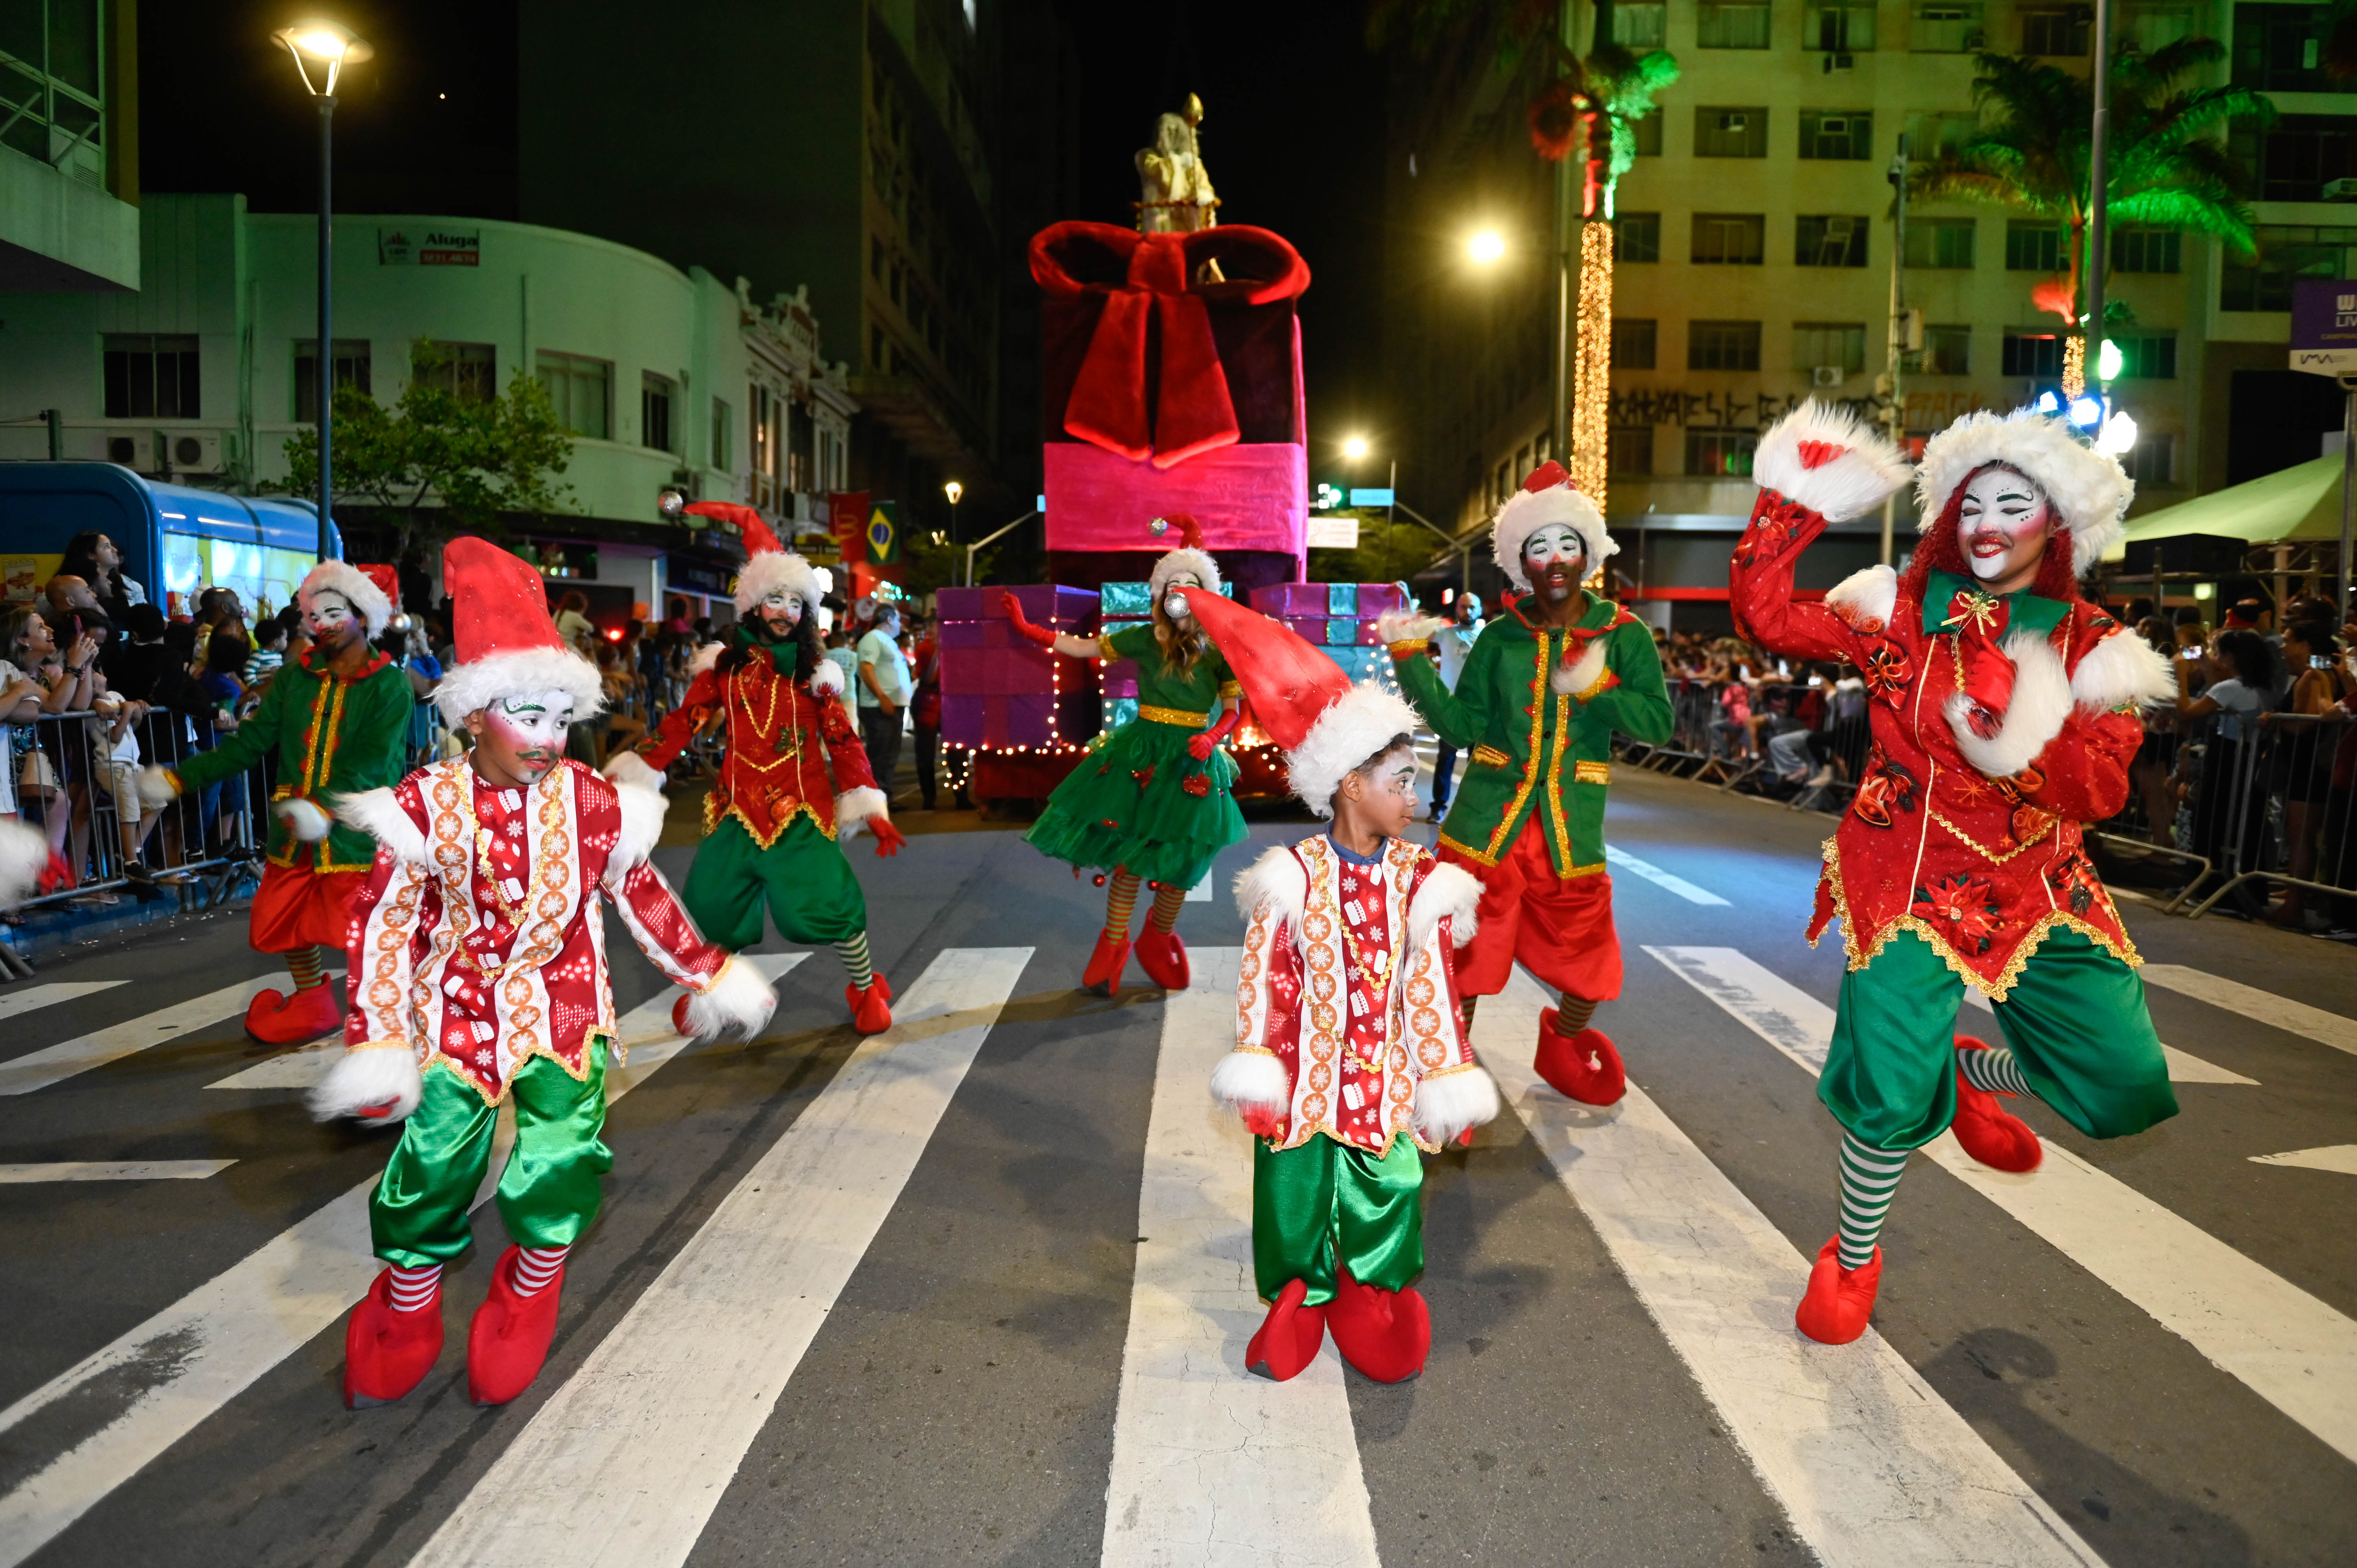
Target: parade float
x,y
1171,382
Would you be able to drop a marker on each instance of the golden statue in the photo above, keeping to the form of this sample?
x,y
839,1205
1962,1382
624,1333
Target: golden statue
x,y
1176,188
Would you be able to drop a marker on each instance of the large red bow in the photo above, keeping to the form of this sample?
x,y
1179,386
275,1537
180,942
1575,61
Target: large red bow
x,y
1155,316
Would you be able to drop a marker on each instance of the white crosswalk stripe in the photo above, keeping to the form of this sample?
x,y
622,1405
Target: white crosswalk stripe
x,y
114,1170
2289,1347
2184,1066
1622,860
14,1004
2259,1006
1874,1467
54,1064
625,1463
2338,1157
215,1341
1211,1465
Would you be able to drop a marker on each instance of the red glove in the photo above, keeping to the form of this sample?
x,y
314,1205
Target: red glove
x,y
1024,628
1201,746
1262,1122
888,839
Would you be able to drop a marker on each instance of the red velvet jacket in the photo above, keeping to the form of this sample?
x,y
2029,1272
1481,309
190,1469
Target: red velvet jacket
x,y
783,739
1973,843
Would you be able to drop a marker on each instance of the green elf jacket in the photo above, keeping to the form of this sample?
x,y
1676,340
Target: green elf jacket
x,y
1534,748
334,736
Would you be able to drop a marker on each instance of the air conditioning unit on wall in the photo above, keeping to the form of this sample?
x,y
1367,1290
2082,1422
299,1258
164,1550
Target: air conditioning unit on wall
x,y
192,451
1825,376
133,450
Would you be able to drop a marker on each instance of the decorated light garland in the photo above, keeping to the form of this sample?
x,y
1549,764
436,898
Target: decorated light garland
x,y
1592,381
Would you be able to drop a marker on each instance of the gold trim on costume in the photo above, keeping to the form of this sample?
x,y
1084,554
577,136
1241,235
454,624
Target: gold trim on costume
x,y
1586,772
1408,647
1992,857
1490,756
1172,716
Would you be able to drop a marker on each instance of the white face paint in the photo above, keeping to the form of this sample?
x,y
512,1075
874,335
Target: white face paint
x,y
533,727
329,618
1396,776
2003,526
1554,558
781,609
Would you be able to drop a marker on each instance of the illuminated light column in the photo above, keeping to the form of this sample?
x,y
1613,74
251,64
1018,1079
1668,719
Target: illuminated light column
x,y
2074,367
1592,367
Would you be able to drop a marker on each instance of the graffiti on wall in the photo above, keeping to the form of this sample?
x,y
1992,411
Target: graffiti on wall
x,y
1737,410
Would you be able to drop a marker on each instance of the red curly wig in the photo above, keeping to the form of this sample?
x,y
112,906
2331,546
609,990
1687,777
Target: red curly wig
x,y
1938,549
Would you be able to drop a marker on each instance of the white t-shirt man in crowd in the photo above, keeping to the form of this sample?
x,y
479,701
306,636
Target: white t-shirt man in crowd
x,y
884,690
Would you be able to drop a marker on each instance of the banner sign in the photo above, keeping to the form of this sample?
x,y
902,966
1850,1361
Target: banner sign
x,y
846,513
2324,327
402,247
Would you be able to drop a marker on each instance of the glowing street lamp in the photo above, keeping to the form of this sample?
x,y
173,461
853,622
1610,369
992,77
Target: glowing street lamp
x,y
1354,447
955,491
1485,247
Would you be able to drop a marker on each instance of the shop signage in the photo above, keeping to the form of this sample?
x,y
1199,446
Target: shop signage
x,y
412,246
2324,327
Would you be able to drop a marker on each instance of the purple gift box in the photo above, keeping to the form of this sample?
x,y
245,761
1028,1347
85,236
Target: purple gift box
x,y
1287,600
1311,629
998,721
1044,604
1021,670
1374,598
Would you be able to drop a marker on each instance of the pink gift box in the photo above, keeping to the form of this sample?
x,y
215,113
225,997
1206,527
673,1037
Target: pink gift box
x,y
1119,679
1044,604
999,722
1286,600
1374,598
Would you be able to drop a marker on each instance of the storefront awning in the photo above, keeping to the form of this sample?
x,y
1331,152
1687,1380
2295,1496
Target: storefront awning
x,y
2299,503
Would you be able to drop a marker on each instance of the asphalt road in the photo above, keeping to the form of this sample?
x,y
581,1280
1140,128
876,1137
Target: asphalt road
x,y
2142,1355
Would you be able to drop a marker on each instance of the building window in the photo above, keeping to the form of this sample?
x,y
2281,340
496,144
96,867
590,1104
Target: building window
x,y
2059,31
352,371
1731,238
1632,343
1940,244
52,91
1647,133
2038,355
2032,245
656,395
150,376
2146,356
1628,450
1836,133
1730,133
2287,252
759,404
2152,460
721,430
2278,48
1838,29
1829,345
1637,237
1720,454
1947,351
1829,241
2150,28
1945,26
2299,154
2146,250
1640,26
1723,345
580,390
1724,27
466,371
877,361
875,258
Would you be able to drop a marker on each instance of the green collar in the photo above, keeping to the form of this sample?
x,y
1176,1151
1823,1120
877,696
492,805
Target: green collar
x,y
1599,612
781,654
2024,611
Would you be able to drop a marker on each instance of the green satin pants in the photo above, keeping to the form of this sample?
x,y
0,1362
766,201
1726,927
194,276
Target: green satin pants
x,y
1322,1205
2075,1020
803,879
549,1192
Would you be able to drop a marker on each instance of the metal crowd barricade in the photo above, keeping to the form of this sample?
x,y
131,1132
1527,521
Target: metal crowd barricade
x,y
2274,806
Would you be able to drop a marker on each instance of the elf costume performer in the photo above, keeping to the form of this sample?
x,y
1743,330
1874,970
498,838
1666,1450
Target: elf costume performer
x,y
478,972
339,721
1351,1057
794,781
1153,801
1546,684
2005,716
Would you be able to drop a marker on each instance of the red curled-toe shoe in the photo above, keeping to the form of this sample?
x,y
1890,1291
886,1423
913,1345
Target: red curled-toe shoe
x,y
1164,958
1989,1133
1288,1337
1385,1334
871,1010
508,1340
1582,1067
280,1020
1838,1301
1105,964
387,1353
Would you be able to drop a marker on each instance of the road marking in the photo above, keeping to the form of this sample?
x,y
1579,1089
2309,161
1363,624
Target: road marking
x,y
1209,1463
50,995
53,1063
115,1170
2292,1349
626,1460
2339,1157
2184,1066
1660,878
153,1386
1202,892
1873,1467
2259,1006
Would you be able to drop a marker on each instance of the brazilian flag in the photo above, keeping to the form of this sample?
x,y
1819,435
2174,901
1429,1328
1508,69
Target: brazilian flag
x,y
884,533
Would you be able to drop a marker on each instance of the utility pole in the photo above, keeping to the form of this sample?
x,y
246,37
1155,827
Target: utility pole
x,y
1897,347
2099,204
1566,228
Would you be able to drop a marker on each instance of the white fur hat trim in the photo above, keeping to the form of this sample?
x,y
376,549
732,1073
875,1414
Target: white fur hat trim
x,y
358,589
770,570
1354,727
1195,563
523,672
2089,488
1526,511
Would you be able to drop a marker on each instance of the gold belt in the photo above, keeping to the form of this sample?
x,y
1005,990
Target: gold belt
x,y
1172,716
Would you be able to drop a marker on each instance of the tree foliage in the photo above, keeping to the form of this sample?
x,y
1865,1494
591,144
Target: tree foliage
x,y
436,462
2166,164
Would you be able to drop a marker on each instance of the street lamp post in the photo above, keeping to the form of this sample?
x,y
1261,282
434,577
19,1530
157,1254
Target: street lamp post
x,y
331,47
956,492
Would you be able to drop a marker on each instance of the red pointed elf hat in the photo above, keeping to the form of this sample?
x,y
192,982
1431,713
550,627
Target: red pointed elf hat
x,y
768,564
1325,725
507,645
1189,557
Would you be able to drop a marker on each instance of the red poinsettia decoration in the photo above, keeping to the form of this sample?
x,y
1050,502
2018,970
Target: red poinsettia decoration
x,y
1554,121
1195,784
1887,671
1963,907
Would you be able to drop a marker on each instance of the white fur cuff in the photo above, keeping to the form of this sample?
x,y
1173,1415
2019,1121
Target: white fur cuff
x,y
378,814
155,787
628,770
826,681
1571,681
303,818
375,1083
2041,701
1450,892
1406,626
1865,599
739,1001
1449,1103
1248,1081
2124,671
1828,460
854,807
1278,881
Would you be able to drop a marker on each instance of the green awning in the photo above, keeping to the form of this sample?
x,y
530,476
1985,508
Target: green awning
x,y
2299,503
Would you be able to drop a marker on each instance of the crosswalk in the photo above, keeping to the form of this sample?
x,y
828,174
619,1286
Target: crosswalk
x,y
626,1458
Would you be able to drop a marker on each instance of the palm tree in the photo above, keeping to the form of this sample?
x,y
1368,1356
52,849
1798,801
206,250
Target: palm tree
x,y
2166,164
